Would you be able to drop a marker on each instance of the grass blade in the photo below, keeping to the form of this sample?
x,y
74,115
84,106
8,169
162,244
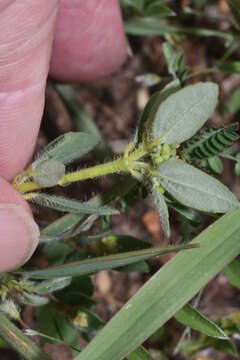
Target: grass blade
x,y
167,291
20,342
102,263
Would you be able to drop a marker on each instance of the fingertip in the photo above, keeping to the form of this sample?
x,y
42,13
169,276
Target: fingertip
x,y
19,234
89,40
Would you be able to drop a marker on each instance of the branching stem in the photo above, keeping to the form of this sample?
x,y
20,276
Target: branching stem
x,y
128,162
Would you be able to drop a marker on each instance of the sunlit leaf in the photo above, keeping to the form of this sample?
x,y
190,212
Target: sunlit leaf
x,y
182,114
73,206
192,318
67,223
162,209
48,173
232,273
215,164
140,354
154,26
167,291
146,119
68,147
194,188
49,286
101,263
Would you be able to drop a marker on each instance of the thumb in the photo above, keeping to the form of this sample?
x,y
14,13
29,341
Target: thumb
x,y
25,37
19,233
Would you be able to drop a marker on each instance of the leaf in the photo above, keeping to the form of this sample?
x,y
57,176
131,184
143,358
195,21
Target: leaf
x,y
192,347
20,342
146,119
49,286
67,147
154,26
233,105
48,173
57,252
54,324
210,142
167,291
232,273
194,188
182,114
90,266
26,298
157,9
162,209
73,206
215,164
140,354
67,223
226,346
169,55
9,307
137,5
192,318
231,68
78,293
237,165
140,266
188,213
148,79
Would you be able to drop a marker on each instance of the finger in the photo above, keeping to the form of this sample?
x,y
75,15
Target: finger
x,y
19,233
89,40
25,37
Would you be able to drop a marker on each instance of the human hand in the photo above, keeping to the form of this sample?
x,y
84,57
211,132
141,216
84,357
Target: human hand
x,y
88,43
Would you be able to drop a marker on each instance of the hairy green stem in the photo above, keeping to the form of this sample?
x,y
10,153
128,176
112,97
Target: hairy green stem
x,y
127,163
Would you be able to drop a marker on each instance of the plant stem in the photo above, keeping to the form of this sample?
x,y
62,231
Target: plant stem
x,y
93,172
20,342
127,163
27,186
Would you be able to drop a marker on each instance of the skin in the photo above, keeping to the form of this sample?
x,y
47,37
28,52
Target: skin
x,y
77,41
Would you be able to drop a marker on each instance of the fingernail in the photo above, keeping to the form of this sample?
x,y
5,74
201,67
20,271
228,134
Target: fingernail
x,y
19,236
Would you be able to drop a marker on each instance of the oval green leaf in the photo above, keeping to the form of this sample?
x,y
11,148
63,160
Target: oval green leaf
x,y
68,147
194,188
182,114
48,173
